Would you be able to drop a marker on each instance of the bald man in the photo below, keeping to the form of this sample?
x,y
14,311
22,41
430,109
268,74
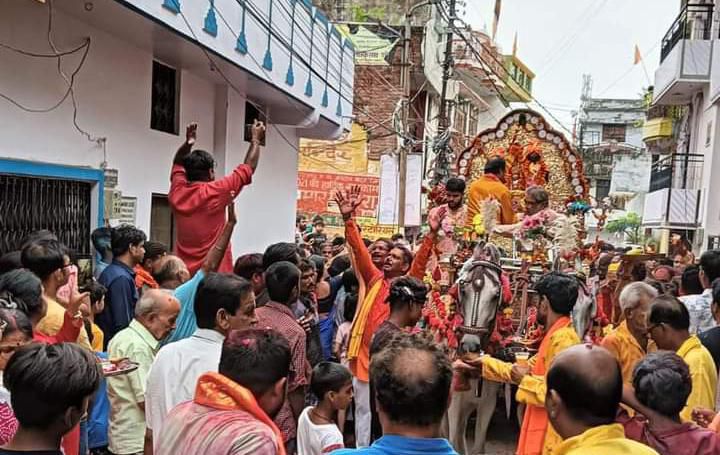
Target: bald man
x,y
412,377
584,388
172,273
155,315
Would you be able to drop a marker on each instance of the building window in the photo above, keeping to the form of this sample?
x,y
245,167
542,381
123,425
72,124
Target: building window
x,y
252,113
32,203
602,189
162,221
613,133
164,110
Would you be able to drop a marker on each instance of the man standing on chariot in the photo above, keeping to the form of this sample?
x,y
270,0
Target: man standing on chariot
x,y
491,186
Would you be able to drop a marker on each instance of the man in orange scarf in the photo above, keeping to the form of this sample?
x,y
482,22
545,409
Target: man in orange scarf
x,y
233,409
558,293
373,309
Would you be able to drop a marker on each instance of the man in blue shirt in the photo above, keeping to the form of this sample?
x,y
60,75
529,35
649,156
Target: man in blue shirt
x,y
411,378
119,278
172,273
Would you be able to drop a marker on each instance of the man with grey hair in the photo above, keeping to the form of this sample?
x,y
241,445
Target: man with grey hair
x,y
155,315
629,341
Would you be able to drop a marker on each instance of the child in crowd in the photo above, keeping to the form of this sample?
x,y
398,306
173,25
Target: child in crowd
x,y
50,386
97,304
317,431
340,344
342,336
16,332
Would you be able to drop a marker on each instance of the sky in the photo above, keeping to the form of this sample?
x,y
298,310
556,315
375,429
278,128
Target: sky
x,y
560,40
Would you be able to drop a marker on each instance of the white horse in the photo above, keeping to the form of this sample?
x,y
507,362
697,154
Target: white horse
x,y
479,295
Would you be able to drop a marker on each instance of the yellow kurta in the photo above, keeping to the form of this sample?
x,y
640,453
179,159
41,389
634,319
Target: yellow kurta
x,y
489,187
53,321
703,374
602,440
626,349
532,388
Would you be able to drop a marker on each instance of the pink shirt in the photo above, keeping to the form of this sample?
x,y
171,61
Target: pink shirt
x,y
199,209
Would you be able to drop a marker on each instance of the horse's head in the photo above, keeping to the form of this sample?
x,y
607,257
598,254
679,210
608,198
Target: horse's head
x,y
479,288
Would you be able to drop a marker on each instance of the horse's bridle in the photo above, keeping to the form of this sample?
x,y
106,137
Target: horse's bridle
x,y
470,326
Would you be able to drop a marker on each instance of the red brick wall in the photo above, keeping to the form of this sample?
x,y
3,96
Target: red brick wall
x,y
377,92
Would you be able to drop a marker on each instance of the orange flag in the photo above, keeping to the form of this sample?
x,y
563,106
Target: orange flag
x,y
638,56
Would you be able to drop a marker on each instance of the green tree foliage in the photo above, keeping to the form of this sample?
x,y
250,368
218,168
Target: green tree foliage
x,y
629,225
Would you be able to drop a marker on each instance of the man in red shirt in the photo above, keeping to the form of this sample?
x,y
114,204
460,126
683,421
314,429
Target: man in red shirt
x,y
198,200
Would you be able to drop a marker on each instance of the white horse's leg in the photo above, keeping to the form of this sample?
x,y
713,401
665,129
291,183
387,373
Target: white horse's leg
x,y
485,410
461,406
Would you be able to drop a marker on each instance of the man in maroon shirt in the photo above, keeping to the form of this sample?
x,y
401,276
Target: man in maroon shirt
x,y
198,200
283,285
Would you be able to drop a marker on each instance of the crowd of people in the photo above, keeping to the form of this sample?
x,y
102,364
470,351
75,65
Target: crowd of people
x,y
279,351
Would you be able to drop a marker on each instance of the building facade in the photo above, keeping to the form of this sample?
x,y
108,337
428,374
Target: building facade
x,y
134,73
682,130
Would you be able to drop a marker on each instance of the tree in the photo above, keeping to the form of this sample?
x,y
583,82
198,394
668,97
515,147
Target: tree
x,y
629,225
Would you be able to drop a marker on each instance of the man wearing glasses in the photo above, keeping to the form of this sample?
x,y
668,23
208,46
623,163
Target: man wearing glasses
x,y
668,326
48,260
537,200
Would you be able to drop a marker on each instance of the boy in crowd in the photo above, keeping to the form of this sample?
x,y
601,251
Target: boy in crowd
x,y
50,387
317,429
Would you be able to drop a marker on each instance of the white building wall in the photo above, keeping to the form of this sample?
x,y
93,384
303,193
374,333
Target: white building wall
x,y
113,93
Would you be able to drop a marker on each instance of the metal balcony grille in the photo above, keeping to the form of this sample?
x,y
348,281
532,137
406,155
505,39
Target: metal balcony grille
x,y
693,22
682,171
31,203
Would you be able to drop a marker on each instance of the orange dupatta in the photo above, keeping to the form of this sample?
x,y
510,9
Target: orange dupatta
x,y
535,420
216,391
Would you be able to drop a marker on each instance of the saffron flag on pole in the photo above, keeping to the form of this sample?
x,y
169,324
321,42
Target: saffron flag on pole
x,y
638,56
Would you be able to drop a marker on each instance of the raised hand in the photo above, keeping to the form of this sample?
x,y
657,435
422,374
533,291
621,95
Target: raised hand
x,y
191,133
76,301
436,217
258,131
348,202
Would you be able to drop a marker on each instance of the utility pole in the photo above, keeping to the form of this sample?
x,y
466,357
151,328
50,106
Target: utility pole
x,y
447,65
405,145
403,142
442,148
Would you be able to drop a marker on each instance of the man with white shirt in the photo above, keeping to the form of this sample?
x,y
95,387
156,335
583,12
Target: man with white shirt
x,y
223,303
698,305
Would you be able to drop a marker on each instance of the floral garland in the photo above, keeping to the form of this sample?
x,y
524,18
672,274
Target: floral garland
x,y
442,319
535,226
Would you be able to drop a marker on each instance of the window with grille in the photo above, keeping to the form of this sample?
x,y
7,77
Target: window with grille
x,y
602,189
32,203
165,110
613,133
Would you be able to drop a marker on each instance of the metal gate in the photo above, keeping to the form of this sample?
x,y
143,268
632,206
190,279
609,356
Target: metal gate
x,y
31,203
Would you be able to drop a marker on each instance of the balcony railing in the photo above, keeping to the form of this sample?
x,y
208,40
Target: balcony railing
x,y
693,22
683,171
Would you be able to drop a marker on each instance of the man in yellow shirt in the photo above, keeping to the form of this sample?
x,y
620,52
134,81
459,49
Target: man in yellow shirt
x,y
584,388
558,294
490,186
668,325
628,343
48,259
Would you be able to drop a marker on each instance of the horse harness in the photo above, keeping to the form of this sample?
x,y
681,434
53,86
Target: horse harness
x,y
479,271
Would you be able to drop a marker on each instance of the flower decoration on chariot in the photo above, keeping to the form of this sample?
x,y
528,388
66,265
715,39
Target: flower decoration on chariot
x,y
508,312
478,224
